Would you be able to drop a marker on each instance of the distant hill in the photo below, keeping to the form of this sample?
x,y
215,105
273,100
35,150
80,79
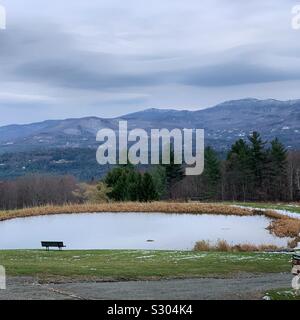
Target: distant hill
x,y
223,124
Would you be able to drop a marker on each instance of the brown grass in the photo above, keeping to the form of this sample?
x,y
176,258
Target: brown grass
x,y
285,227
294,243
162,207
272,214
224,246
202,246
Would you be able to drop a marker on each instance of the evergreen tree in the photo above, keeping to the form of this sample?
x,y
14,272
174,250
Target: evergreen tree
x,y
148,187
212,172
120,189
158,174
277,170
278,156
127,184
174,172
139,184
238,170
133,185
118,180
258,160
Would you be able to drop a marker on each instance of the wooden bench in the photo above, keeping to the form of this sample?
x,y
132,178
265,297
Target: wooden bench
x,y
53,244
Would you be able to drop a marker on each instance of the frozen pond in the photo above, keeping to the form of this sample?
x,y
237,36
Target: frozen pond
x,y
134,230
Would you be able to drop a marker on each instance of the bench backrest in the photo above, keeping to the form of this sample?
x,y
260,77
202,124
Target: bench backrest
x,y
58,244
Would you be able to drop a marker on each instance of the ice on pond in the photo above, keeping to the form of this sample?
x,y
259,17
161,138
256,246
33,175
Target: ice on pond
x,y
134,230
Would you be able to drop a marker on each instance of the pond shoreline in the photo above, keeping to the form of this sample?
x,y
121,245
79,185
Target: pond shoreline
x,y
280,225
132,231
125,207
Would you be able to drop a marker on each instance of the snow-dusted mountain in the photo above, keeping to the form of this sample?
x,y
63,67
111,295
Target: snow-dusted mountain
x,y
223,123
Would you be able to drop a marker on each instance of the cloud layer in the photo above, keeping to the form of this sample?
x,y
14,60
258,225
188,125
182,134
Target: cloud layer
x,y
111,57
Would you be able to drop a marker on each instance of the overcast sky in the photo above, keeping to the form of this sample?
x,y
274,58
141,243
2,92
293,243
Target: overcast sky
x,y
61,59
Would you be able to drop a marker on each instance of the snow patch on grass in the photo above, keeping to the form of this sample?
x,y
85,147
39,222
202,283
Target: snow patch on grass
x,y
282,212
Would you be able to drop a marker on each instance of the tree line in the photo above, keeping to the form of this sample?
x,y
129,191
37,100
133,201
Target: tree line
x,y
37,190
128,183
252,170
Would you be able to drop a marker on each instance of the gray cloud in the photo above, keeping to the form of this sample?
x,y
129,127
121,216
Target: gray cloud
x,y
69,74
106,57
237,73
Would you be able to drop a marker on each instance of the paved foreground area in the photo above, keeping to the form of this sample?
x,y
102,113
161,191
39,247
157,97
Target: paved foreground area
x,y
241,287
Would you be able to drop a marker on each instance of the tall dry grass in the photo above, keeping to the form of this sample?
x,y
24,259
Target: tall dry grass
x,y
162,207
202,246
285,227
224,246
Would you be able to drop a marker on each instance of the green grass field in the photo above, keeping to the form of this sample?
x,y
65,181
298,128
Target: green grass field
x,y
134,265
283,294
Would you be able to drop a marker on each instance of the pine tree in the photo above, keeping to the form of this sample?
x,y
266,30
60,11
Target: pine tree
x,y
212,172
258,160
120,189
277,169
125,183
139,185
278,155
148,187
133,185
158,174
238,171
174,172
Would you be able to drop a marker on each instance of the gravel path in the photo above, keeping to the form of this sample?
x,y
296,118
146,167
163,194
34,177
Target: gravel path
x,y
241,287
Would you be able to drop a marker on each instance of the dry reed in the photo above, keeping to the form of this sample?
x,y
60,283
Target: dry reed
x,y
285,227
161,207
202,246
224,246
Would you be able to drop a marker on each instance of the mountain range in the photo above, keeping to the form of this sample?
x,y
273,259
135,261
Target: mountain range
x,y
223,124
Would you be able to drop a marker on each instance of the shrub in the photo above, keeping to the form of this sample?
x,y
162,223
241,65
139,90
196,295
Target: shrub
x,y
202,246
223,246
